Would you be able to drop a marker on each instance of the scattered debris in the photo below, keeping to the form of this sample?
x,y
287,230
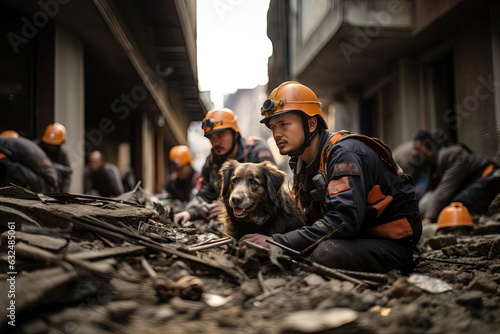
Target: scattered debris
x,y
88,264
429,284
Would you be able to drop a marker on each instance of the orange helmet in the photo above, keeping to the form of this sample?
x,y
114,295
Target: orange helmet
x,y
219,119
454,215
292,96
180,155
10,133
55,134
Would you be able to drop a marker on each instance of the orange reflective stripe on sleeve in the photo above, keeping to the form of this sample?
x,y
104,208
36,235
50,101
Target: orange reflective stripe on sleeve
x,y
396,229
339,185
488,170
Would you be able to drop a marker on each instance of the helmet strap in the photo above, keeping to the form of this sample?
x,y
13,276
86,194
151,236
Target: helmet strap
x,y
222,158
308,136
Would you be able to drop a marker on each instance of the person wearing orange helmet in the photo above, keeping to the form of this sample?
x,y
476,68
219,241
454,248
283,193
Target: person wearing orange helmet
x,y
181,184
51,143
25,164
361,209
220,126
9,133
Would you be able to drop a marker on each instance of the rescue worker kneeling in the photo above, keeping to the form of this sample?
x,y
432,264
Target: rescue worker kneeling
x,y
341,178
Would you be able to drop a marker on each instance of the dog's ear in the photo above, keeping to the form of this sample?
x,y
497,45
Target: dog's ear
x,y
274,179
225,173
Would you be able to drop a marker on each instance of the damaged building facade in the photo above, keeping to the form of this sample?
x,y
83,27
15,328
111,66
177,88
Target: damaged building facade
x,y
120,75
389,68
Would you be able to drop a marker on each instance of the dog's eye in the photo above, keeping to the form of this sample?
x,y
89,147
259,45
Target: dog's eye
x,y
234,180
253,182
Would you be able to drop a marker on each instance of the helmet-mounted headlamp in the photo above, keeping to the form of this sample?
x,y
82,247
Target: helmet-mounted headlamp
x,y
219,119
269,106
209,124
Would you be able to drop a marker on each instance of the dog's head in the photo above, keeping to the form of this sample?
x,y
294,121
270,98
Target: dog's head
x,y
248,187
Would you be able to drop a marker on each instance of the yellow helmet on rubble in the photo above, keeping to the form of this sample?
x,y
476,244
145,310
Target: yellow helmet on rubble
x,y
292,96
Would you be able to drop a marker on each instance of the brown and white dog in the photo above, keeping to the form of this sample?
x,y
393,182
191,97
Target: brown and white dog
x,y
256,200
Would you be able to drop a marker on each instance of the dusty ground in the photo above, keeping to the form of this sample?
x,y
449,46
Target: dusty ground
x,y
80,268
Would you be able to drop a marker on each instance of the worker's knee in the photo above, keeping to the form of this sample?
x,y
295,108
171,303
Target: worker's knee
x,y
331,253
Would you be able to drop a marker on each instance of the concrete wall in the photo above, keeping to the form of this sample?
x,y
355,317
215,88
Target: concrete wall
x,y
148,158
69,100
475,87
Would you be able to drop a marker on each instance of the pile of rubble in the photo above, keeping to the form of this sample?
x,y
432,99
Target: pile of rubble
x,y
72,263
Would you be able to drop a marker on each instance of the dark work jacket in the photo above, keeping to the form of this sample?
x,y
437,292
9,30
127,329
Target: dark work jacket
x,y
106,181
361,190
453,168
249,150
27,165
182,189
60,159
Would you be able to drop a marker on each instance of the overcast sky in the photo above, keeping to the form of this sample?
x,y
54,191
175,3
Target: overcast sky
x,y
233,47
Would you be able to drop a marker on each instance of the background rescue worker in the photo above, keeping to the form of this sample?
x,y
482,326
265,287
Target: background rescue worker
x,y
25,164
414,163
221,128
51,143
341,181
456,174
181,184
9,133
102,178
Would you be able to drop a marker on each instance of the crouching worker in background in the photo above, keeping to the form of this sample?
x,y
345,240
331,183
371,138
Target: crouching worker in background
x,y
25,164
52,143
361,209
102,178
181,184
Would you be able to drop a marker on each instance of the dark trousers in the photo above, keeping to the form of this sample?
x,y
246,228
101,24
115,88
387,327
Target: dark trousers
x,y
368,255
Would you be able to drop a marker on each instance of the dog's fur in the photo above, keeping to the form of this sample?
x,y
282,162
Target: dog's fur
x,y
256,200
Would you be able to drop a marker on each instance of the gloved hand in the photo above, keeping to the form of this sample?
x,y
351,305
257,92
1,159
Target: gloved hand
x,y
181,218
257,239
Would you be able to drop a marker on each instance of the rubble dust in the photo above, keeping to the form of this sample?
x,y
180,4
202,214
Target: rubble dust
x,y
95,265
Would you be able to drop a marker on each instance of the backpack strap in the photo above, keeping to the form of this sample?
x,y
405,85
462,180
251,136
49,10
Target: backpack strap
x,y
384,151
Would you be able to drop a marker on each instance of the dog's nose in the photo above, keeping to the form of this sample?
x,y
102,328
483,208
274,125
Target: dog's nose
x,y
236,199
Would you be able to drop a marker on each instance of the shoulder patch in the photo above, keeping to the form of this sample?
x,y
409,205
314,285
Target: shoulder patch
x,y
346,168
339,185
